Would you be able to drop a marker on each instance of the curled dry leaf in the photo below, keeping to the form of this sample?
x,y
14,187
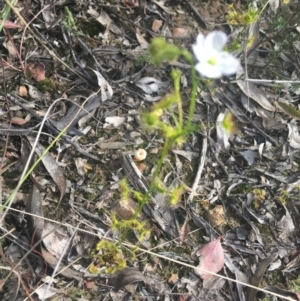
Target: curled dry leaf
x,y
125,277
106,89
125,209
36,70
140,155
211,259
63,270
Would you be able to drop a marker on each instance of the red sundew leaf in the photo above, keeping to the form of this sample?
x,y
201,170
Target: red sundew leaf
x,y
8,24
211,258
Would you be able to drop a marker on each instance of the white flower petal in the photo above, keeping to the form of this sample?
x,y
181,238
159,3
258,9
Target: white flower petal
x,y
200,40
213,62
215,40
198,48
228,64
208,70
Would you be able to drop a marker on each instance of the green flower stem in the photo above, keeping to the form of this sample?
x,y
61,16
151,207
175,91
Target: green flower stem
x,y
168,144
176,77
195,83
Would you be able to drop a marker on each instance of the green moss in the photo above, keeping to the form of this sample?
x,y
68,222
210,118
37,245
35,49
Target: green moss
x,y
273,278
89,27
265,232
45,85
260,197
108,254
283,197
295,284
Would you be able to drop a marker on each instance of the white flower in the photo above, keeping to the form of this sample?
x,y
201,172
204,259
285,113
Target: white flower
x,y
213,62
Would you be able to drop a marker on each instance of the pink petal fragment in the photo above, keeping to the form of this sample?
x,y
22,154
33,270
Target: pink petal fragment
x,y
211,258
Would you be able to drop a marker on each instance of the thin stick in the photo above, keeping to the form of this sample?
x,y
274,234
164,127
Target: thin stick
x,y
200,169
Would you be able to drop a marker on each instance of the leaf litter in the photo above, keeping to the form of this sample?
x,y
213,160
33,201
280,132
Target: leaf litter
x,y
244,185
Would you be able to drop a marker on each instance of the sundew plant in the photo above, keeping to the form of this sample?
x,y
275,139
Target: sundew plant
x,y
212,62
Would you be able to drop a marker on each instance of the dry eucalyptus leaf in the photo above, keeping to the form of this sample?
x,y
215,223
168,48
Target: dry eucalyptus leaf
x,y
186,154
285,226
250,90
257,277
143,43
294,136
222,135
10,48
114,145
63,270
35,221
114,121
125,277
45,292
102,17
50,164
106,89
55,239
151,85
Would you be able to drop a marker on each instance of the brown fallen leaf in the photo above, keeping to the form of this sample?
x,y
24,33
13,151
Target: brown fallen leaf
x,y
23,91
89,284
18,121
173,279
156,25
211,259
215,216
180,33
